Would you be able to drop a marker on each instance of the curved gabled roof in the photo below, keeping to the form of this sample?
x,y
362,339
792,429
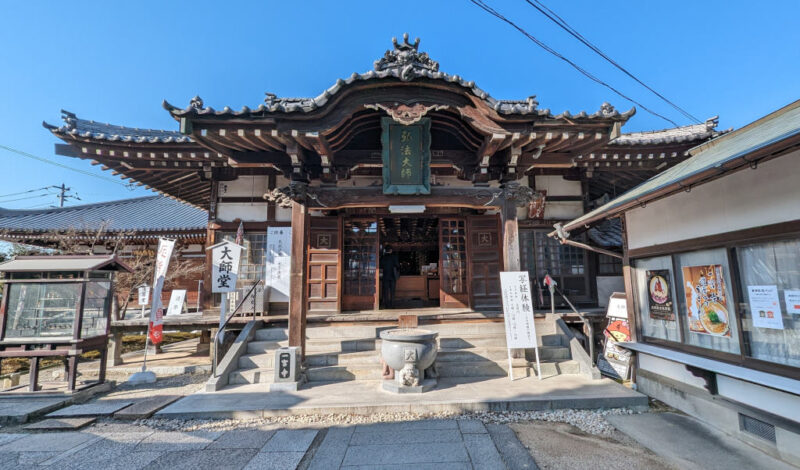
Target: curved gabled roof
x,y
143,214
404,63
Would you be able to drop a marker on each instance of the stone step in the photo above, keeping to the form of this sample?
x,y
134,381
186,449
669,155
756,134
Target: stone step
x,y
543,326
546,353
271,334
251,361
252,376
260,347
341,373
490,368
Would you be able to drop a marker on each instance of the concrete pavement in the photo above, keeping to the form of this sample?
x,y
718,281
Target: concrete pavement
x,y
426,444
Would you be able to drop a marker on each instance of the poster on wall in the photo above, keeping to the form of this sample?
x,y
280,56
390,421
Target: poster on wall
x,y
279,258
660,295
765,307
792,298
706,300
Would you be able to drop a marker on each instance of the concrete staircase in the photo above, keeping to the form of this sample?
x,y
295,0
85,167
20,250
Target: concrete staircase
x,y
466,350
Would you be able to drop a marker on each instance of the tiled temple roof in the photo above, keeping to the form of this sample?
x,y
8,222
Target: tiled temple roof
x,y
144,214
695,132
77,127
405,63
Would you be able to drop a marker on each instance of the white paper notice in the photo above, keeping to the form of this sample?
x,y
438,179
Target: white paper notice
x,y
792,298
176,301
765,307
518,309
279,261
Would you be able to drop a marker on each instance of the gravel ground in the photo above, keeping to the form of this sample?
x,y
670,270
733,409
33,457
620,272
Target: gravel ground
x,y
588,421
559,446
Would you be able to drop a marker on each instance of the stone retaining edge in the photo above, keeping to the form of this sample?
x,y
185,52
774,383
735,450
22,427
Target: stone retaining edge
x,y
578,353
230,362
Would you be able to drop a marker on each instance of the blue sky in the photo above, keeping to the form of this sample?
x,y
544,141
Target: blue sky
x,y
116,62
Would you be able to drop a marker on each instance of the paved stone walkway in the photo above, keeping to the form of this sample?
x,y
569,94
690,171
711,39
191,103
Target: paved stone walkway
x,y
429,444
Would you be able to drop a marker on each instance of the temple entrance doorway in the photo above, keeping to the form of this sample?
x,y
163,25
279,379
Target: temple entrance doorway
x,y
447,260
409,261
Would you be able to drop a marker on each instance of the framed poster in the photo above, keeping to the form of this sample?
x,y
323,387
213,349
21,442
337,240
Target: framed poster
x,y
659,295
765,307
706,300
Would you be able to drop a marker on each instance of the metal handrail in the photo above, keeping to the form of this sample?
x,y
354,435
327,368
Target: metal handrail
x,y
225,323
586,322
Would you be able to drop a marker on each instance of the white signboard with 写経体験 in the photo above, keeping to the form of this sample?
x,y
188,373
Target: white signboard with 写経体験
x,y
518,313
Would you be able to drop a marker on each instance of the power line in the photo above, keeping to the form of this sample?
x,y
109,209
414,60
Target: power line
x,y
25,198
566,27
25,192
552,51
44,160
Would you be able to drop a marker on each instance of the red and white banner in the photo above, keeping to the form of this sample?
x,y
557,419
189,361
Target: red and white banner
x,y
155,330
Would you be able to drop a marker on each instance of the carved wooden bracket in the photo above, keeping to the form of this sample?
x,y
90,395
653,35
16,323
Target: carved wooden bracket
x,y
404,113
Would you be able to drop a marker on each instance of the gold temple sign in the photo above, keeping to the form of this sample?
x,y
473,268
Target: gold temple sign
x,y
406,157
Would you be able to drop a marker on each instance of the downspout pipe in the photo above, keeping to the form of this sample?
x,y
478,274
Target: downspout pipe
x,y
563,238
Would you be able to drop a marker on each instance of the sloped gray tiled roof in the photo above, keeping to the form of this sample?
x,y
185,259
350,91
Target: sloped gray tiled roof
x,y
144,214
78,127
675,135
712,155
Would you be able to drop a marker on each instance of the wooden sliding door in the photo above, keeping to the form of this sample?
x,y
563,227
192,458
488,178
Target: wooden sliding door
x,y
360,263
453,262
485,261
323,265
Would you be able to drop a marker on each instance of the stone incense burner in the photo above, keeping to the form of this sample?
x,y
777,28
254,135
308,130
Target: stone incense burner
x,y
411,353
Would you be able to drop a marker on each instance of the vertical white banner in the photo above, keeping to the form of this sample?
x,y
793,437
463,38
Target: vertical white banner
x,y
163,255
279,258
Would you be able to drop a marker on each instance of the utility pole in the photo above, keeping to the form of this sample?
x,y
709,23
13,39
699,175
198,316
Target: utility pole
x,y
63,194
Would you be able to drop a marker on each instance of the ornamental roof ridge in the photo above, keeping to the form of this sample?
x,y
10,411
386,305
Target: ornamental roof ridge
x,y
406,59
403,62
702,131
77,127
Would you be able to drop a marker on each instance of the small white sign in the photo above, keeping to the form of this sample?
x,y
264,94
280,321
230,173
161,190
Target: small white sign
x,y
177,299
792,298
617,306
144,295
224,266
765,307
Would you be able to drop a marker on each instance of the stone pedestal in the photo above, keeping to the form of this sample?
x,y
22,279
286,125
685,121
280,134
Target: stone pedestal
x,y
115,349
287,369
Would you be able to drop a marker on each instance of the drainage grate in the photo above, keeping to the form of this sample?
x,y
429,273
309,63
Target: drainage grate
x,y
757,427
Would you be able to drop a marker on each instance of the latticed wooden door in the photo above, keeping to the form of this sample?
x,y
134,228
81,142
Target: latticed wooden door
x,y
323,264
485,261
453,291
360,263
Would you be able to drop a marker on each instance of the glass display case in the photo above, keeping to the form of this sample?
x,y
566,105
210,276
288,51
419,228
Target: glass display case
x,y
57,306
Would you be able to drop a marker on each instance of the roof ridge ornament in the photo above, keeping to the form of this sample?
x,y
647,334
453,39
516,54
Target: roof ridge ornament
x,y
196,102
406,60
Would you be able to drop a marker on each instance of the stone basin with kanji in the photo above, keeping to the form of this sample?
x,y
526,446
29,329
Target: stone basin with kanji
x,y
411,353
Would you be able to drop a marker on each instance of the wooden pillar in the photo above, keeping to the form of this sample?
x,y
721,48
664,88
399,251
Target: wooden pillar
x,y
115,345
103,358
297,279
511,259
33,374
72,372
